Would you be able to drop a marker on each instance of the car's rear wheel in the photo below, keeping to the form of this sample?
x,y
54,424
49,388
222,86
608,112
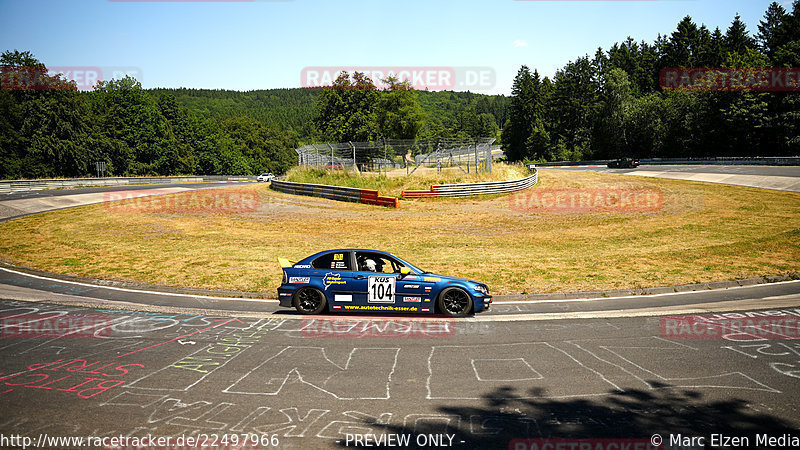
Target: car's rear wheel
x,y
309,300
454,302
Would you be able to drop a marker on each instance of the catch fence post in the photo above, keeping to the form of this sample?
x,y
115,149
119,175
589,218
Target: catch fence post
x,y
355,168
476,157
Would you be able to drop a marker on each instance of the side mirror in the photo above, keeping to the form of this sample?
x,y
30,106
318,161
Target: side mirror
x,y
405,271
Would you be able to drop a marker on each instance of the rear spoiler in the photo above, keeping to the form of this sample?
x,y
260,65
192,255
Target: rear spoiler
x,y
285,263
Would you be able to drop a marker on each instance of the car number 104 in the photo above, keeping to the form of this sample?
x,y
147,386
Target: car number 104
x,y
381,289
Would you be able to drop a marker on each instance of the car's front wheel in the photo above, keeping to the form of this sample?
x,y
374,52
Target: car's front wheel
x,y
454,302
309,300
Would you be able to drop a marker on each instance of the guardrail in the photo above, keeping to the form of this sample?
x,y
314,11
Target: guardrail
x,y
761,161
340,193
8,186
722,160
467,189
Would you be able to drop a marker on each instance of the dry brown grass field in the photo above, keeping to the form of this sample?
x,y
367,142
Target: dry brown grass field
x,y
701,232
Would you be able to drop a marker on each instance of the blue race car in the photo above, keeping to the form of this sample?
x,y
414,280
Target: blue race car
x,y
358,280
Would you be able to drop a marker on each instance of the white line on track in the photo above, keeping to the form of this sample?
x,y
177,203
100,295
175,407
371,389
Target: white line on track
x,y
595,299
139,291
499,302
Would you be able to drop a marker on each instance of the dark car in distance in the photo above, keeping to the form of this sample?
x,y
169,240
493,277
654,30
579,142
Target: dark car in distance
x,y
623,163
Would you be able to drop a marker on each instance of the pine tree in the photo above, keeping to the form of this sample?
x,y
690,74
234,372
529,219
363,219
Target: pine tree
x,y
737,38
717,48
683,45
770,34
521,115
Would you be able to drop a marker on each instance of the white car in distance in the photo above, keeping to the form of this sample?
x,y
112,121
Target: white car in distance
x,y
265,177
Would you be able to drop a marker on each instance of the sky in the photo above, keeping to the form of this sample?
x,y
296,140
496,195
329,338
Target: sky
x,y
476,45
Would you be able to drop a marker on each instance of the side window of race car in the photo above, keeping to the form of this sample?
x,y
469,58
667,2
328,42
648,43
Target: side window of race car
x,y
336,260
375,262
392,266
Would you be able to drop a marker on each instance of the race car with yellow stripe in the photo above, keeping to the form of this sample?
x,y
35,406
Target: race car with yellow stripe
x,y
361,280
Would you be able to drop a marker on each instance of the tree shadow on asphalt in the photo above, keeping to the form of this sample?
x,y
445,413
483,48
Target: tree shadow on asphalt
x,y
633,414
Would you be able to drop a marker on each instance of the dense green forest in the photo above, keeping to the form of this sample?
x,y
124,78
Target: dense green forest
x,y
604,106
49,129
611,105
446,113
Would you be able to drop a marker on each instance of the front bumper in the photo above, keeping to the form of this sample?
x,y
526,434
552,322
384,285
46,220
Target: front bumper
x,y
486,300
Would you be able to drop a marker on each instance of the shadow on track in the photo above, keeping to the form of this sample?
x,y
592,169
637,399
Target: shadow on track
x,y
633,414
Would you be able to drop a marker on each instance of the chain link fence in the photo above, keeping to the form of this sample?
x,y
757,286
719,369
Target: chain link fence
x,y
468,154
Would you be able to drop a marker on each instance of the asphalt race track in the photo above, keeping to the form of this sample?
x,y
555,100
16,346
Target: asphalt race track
x,y
311,382
16,285
17,204
82,360
785,178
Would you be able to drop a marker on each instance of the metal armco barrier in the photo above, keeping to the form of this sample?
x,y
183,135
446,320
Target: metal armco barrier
x,y
8,186
340,193
721,160
371,197
467,189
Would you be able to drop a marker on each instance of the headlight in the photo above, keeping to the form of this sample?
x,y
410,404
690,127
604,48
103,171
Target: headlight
x,y
482,289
